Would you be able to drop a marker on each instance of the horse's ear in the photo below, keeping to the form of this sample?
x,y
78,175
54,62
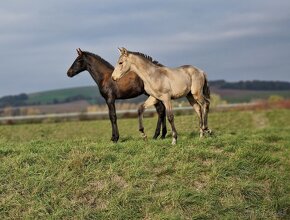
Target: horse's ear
x,y
123,51
79,51
120,50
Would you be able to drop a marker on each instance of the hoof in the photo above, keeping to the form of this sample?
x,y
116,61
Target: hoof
x,y
174,141
155,136
205,132
208,131
115,139
163,137
144,136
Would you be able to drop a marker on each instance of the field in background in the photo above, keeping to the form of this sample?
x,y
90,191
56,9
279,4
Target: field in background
x,y
71,169
241,96
88,99
92,95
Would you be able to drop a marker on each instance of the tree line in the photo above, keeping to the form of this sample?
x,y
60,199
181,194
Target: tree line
x,y
252,85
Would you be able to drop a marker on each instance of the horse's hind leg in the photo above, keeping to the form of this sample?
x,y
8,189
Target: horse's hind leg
x,y
150,101
206,110
204,104
198,111
160,108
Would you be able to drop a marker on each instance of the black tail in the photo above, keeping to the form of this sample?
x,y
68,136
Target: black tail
x,y
206,90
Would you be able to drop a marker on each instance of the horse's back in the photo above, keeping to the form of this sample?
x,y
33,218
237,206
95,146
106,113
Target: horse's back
x,y
192,70
179,81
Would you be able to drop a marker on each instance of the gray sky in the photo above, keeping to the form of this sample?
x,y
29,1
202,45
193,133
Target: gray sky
x,y
231,40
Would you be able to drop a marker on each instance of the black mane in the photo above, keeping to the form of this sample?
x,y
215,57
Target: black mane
x,y
147,58
105,62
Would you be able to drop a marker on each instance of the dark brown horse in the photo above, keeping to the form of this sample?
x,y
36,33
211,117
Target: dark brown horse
x,y
128,87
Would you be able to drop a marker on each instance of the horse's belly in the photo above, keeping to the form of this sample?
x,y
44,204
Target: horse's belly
x,y
179,90
180,94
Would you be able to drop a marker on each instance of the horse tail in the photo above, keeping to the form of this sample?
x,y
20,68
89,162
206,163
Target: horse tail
x,y
205,89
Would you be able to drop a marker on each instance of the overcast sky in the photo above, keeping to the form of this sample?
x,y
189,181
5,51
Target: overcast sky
x,y
231,40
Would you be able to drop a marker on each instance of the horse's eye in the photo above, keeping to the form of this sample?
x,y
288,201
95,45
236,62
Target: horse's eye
x,y
120,63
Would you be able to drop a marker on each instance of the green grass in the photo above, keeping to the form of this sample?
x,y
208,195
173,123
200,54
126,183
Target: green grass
x,y
72,171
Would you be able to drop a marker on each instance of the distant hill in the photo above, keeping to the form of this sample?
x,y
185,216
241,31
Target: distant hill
x,y
233,92
91,94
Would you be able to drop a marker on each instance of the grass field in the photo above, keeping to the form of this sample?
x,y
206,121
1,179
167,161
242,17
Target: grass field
x,y
72,171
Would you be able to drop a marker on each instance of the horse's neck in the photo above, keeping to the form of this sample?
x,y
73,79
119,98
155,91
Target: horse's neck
x,y
144,70
99,71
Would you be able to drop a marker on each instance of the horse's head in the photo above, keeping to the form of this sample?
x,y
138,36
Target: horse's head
x,y
78,65
123,65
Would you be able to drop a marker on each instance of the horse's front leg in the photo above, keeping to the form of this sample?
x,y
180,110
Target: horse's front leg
x,y
160,108
113,119
170,117
149,102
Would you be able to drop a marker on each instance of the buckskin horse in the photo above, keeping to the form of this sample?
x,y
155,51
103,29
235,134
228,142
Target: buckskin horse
x,y
164,83
128,87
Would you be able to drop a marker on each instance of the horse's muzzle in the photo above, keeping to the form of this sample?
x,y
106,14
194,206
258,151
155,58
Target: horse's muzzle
x,y
69,73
